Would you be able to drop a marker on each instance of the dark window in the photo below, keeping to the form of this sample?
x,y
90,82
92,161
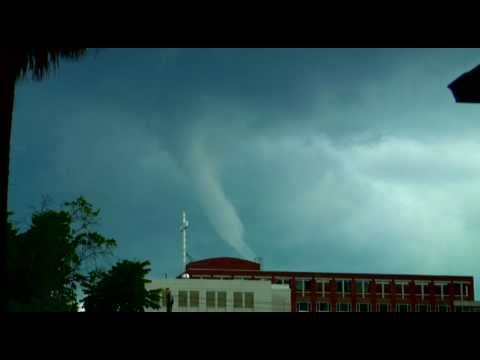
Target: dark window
x,y
423,308
222,299
403,307
210,299
359,286
418,289
319,287
299,285
364,307
323,307
308,285
443,308
347,285
446,289
339,286
237,300
383,307
398,289
342,307
194,298
303,307
182,298
249,301
386,288
456,289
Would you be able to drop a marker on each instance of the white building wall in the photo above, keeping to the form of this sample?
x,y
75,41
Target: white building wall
x,y
267,297
281,298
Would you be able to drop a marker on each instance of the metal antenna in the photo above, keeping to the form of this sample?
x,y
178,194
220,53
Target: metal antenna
x,y
183,230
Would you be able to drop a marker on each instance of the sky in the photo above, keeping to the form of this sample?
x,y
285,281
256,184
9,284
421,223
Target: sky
x,y
334,160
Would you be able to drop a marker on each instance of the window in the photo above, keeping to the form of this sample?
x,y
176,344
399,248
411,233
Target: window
x,y
361,287
441,290
387,288
343,307
401,289
383,307
323,307
194,298
364,307
347,286
210,299
461,289
456,288
403,308
303,307
383,288
182,298
398,289
443,308
344,287
222,299
237,300
421,289
249,300
423,308
307,285
299,285
322,287
339,286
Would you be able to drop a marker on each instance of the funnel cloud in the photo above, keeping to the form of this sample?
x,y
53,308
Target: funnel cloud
x,y
219,209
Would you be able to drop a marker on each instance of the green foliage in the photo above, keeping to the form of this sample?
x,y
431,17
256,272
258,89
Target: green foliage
x,y
121,289
90,245
44,263
58,252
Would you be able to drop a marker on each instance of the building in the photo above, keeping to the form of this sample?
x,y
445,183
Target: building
x,y
216,295
348,292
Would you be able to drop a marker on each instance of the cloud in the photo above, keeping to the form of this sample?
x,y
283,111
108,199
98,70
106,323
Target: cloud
x,y
312,159
404,205
204,182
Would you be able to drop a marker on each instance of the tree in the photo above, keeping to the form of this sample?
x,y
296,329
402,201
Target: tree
x,y
121,289
15,64
47,262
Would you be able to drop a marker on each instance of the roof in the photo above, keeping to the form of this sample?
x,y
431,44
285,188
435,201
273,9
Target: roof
x,y
224,263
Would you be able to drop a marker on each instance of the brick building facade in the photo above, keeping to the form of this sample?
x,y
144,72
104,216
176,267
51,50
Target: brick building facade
x,y
349,292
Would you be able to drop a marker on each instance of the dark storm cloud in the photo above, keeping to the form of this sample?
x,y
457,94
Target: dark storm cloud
x,y
319,159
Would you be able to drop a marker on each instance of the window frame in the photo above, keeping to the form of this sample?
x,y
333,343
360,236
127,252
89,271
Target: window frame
x,y
183,300
369,307
409,307
309,306
445,306
246,304
329,306
338,305
389,307
236,304
209,300
221,304
428,306
190,298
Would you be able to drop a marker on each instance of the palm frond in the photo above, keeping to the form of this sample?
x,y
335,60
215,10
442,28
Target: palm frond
x,y
39,62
